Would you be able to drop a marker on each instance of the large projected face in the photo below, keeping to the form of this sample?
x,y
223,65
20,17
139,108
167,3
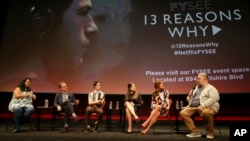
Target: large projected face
x,y
63,49
119,41
57,37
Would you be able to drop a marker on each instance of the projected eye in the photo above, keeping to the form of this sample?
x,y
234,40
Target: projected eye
x,y
83,11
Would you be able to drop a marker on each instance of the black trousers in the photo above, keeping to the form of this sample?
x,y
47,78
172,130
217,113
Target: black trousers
x,y
67,109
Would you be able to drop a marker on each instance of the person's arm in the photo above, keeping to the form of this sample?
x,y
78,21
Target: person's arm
x,y
167,99
33,96
139,101
153,102
72,99
124,99
191,94
18,94
56,102
102,100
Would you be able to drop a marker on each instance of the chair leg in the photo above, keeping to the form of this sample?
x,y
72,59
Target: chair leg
x,y
31,124
79,126
217,125
170,124
219,131
8,124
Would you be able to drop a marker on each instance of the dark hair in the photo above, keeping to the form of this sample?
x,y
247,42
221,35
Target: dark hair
x,y
130,84
95,83
22,86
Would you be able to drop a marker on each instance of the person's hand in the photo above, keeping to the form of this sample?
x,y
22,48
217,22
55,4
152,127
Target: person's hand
x,y
132,103
30,94
33,97
200,108
59,108
190,94
99,101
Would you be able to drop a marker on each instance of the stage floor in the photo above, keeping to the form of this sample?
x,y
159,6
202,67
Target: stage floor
x,y
158,132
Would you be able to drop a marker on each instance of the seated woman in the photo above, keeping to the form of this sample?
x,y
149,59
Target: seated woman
x,y
159,105
21,104
132,101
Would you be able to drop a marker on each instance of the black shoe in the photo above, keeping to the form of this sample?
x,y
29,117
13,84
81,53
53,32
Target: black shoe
x,y
130,132
76,119
96,128
64,130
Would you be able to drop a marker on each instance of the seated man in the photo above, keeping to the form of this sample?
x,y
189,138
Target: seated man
x,y
64,101
96,101
204,100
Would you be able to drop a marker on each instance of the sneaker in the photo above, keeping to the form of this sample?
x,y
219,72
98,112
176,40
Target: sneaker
x,y
194,135
64,130
88,130
210,136
15,131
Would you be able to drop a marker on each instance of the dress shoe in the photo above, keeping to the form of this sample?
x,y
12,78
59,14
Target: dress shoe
x,y
64,130
76,119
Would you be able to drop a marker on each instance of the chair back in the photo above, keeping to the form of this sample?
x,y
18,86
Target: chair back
x,y
77,102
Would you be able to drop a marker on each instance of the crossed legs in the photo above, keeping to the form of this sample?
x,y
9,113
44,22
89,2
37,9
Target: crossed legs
x,y
130,111
155,113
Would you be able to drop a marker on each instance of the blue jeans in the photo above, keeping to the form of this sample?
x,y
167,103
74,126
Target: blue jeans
x,y
21,114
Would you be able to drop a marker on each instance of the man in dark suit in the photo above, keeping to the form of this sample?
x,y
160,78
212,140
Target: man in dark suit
x,y
65,101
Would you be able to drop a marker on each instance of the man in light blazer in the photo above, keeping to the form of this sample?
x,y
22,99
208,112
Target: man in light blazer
x,y
204,100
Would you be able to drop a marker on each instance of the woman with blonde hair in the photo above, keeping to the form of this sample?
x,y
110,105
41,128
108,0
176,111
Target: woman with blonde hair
x,y
132,102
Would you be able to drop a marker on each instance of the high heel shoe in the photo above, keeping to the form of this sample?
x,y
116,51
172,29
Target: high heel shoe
x,y
143,133
142,126
129,132
136,117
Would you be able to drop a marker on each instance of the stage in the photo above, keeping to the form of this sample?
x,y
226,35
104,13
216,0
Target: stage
x,y
159,132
